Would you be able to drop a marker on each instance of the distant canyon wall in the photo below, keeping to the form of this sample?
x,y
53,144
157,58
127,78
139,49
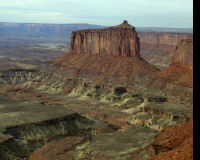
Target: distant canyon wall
x,y
64,30
161,42
171,39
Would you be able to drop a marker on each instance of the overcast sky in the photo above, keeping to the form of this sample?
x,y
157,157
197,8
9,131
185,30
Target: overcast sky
x,y
140,13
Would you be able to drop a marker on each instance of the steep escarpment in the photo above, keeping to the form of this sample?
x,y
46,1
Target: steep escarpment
x,y
121,40
158,48
169,39
180,71
107,52
183,55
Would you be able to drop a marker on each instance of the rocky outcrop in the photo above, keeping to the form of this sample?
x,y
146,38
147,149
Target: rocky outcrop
x,y
33,124
106,53
160,43
180,71
110,105
158,48
121,144
120,40
175,143
183,54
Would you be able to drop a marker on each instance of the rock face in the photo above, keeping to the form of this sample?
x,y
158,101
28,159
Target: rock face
x,y
183,54
158,48
181,69
168,39
120,40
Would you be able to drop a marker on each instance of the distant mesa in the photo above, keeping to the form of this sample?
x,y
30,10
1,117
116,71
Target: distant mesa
x,y
120,40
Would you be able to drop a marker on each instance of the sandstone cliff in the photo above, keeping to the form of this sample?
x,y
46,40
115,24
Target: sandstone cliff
x,y
158,48
181,69
106,52
170,39
183,54
121,40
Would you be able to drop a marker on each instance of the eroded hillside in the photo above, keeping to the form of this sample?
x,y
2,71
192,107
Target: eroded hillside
x,y
89,106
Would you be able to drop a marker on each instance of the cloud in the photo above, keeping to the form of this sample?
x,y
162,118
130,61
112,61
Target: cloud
x,y
103,12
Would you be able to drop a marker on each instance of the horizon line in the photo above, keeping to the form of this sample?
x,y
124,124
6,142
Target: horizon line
x,y
89,24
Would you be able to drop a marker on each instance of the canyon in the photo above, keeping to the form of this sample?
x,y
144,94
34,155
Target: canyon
x,y
102,99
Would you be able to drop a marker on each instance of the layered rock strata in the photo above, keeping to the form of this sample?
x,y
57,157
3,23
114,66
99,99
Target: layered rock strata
x,y
120,40
26,126
168,39
183,55
157,48
180,71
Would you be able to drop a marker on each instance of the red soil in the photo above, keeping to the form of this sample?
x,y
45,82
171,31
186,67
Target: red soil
x,y
106,64
178,140
179,75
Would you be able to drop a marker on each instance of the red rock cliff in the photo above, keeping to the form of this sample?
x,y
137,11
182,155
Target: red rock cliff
x,y
159,43
171,39
183,54
121,40
181,69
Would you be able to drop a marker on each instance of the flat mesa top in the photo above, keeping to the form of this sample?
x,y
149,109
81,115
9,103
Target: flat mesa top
x,y
124,25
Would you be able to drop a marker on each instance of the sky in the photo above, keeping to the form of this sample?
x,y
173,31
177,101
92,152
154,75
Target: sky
x,y
139,13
